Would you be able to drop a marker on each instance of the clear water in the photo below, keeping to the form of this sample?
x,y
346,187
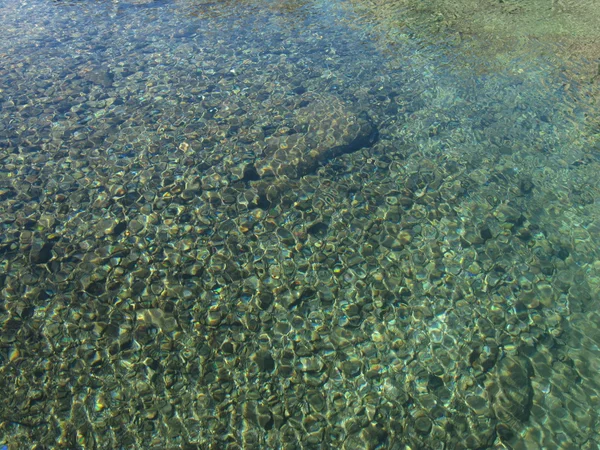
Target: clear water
x,y
299,224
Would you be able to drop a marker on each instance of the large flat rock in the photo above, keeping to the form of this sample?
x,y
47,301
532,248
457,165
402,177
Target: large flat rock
x,y
323,128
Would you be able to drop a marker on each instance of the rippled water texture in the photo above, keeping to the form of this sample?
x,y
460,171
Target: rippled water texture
x,y
299,224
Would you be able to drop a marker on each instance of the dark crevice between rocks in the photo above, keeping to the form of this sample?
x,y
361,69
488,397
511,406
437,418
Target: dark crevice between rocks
x,y
41,254
250,173
318,230
263,203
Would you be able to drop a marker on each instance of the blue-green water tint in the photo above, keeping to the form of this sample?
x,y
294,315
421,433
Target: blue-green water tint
x,y
427,278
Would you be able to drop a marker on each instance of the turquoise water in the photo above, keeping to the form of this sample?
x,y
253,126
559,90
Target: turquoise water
x,y
290,225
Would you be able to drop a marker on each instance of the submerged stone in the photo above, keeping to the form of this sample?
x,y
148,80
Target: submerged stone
x,y
324,128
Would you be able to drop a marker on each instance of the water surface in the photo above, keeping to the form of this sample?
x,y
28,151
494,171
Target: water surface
x,y
298,224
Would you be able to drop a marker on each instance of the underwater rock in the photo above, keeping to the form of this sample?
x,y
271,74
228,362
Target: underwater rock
x,y
513,400
100,76
323,129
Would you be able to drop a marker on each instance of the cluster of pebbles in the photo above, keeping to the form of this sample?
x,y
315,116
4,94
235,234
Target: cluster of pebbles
x,y
275,241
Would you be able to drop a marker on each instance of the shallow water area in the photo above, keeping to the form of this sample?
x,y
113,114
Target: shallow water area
x,y
299,224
